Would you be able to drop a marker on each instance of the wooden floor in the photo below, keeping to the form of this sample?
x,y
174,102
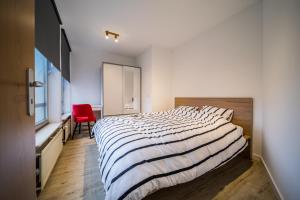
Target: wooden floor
x,y
76,176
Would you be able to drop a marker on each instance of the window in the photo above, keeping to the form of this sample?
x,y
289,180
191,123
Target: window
x,y
62,96
41,96
65,96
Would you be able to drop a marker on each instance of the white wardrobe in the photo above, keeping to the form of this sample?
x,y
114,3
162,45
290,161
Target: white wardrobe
x,y
121,89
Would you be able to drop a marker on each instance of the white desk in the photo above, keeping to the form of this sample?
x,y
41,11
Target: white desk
x,y
97,110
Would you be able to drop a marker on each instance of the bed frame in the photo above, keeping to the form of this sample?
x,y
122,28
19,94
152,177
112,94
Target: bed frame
x,y
242,109
210,184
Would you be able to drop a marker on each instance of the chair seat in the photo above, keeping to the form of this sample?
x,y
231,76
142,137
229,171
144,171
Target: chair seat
x,y
81,119
85,119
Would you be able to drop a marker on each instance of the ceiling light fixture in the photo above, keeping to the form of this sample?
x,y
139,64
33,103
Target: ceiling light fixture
x,y
116,39
115,36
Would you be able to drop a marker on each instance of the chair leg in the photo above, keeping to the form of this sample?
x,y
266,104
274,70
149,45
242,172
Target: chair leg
x,y
93,134
89,130
74,130
79,127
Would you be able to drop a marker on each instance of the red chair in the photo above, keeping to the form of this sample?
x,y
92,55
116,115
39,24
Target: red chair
x,y
83,113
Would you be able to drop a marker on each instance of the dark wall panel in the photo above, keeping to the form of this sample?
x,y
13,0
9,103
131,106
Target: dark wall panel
x,y
47,30
65,56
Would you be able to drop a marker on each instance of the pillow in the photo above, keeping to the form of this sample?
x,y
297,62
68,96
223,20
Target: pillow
x,y
187,108
224,112
184,110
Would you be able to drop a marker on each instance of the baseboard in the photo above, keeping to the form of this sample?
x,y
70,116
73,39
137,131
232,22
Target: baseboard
x,y
256,157
260,158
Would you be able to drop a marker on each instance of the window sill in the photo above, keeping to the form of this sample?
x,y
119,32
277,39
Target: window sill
x,y
41,125
42,135
65,116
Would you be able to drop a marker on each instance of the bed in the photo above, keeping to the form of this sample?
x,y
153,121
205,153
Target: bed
x,y
143,153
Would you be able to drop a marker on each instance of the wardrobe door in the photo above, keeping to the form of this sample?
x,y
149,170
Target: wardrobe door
x,y
131,90
112,89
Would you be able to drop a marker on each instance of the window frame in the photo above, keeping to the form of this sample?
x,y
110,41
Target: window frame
x,y
41,125
44,122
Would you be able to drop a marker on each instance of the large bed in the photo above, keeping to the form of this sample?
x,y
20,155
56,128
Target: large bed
x,y
143,153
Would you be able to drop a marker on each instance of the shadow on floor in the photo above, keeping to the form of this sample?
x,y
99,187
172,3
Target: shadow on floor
x,y
206,186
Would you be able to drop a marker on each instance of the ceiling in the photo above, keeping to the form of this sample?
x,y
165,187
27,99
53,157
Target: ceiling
x,y
142,23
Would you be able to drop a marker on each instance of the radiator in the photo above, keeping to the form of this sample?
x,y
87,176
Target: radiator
x,y
67,130
49,156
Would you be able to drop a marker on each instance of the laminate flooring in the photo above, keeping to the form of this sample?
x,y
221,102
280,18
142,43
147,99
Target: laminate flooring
x,y
76,176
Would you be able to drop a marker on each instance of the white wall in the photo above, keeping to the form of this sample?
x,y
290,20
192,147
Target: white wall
x,y
161,79
86,73
224,62
281,75
145,62
156,79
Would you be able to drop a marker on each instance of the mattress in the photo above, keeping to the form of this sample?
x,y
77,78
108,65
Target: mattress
x,y
140,154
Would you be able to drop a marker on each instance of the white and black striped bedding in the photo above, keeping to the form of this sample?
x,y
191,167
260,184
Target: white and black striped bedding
x,y
224,112
143,153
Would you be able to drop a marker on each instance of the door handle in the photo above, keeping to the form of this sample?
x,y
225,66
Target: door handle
x,y
36,84
31,84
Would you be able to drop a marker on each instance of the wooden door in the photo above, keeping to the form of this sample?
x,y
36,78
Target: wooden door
x,y
17,143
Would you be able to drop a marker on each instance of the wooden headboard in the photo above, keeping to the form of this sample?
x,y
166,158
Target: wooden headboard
x,y
242,109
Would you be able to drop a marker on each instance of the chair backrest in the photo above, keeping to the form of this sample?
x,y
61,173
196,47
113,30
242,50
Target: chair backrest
x,y
82,110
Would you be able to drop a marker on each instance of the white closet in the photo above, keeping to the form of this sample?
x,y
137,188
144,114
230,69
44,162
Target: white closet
x,y
121,89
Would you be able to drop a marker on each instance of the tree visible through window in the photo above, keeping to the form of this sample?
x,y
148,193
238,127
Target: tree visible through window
x,y
41,103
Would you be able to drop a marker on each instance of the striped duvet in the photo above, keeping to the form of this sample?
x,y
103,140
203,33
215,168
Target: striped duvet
x,y
140,154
